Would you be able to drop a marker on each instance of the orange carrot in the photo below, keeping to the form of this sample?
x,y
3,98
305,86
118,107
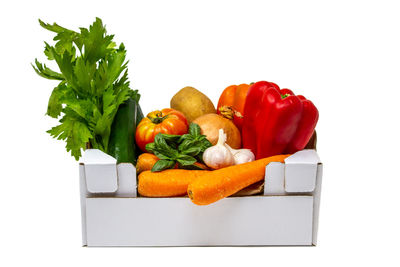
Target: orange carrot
x,y
215,185
145,162
167,183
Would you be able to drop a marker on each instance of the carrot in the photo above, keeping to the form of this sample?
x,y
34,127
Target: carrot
x,y
176,182
215,185
145,162
167,183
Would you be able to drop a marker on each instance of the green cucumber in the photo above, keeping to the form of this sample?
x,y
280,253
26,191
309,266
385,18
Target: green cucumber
x,y
139,117
122,138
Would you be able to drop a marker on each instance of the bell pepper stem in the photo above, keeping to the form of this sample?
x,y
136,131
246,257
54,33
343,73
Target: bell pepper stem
x,y
226,112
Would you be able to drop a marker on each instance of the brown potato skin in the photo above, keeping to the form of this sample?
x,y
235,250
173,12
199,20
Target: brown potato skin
x,y
192,103
210,125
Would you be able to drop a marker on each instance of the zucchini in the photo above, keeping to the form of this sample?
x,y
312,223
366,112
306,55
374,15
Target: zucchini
x,y
122,138
139,117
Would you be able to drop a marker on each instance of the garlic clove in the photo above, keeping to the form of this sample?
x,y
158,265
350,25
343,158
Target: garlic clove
x,y
216,158
241,155
219,156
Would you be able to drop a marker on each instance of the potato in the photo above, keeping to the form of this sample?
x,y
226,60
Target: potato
x,y
192,103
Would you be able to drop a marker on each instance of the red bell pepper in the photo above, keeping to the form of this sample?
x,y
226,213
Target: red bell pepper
x,y
276,121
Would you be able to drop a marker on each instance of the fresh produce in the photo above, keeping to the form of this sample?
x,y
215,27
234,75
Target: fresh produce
x,y
214,185
168,183
254,116
203,187
210,125
241,155
168,121
218,156
145,162
192,103
122,138
231,103
222,155
306,127
139,118
276,121
93,83
183,150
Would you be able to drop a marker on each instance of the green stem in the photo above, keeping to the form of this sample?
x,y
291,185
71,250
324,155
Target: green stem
x,y
158,119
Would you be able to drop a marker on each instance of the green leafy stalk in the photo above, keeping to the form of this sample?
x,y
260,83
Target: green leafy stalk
x,y
93,84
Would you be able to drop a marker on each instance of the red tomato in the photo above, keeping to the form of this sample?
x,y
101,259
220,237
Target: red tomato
x,y
167,121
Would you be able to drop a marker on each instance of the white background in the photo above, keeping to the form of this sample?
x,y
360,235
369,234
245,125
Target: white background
x,y
343,55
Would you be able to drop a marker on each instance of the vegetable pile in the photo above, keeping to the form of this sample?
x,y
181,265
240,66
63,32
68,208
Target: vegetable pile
x,y
190,148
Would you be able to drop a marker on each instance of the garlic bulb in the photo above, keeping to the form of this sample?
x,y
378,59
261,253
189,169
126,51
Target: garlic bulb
x,y
218,156
241,155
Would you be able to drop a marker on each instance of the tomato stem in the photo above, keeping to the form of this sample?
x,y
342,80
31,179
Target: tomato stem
x,y
158,118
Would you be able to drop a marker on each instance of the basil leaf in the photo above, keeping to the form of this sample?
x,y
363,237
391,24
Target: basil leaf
x,y
158,139
160,155
163,164
185,160
194,129
185,150
191,167
151,147
185,137
185,145
205,144
170,138
192,151
164,148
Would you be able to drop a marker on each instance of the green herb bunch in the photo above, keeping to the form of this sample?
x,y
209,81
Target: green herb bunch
x,y
93,83
184,149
